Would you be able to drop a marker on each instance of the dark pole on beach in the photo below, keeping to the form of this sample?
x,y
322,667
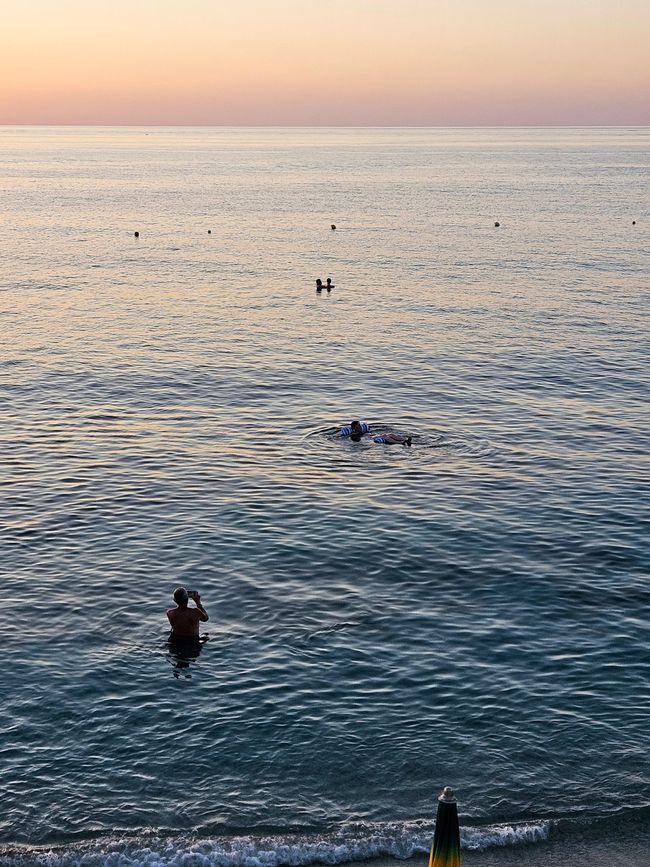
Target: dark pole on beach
x,y
445,847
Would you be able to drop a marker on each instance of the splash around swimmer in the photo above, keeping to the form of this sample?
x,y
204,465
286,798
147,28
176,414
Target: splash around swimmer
x,y
359,429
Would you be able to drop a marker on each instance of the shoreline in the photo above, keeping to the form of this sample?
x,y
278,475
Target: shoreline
x,y
615,843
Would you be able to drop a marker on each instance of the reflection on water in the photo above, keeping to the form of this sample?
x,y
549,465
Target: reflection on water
x,y
183,651
469,611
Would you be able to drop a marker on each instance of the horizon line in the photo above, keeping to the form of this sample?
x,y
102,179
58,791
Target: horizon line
x,y
331,126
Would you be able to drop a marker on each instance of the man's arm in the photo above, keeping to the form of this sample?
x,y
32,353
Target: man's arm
x,y
203,614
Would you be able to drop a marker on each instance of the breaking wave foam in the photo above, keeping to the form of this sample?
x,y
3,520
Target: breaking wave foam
x,y
400,841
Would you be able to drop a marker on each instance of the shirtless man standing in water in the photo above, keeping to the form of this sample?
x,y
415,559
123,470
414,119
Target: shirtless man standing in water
x,y
185,621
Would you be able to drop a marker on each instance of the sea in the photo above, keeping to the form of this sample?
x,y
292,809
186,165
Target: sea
x,y
472,610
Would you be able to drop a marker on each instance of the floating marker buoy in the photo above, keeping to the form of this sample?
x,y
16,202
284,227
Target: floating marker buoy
x,y
497,224
333,227
136,234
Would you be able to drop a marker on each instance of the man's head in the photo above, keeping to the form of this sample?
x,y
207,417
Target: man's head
x,y
181,597
357,430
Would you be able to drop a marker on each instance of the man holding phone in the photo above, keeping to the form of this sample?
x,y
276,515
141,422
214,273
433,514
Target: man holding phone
x,y
184,620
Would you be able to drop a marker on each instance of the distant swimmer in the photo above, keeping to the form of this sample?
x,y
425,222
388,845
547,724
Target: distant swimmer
x,y
183,620
360,429
319,285
391,439
329,285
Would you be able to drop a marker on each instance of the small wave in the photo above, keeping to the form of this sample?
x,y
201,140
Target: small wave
x,y
328,630
398,840
505,835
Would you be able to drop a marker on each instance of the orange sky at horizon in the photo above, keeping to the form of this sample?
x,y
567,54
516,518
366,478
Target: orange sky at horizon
x,y
333,62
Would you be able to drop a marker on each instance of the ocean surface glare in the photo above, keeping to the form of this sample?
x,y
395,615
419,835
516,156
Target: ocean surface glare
x,y
384,621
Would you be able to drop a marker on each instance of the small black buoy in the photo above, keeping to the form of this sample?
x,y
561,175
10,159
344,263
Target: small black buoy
x,y
497,224
209,231
136,234
333,227
634,222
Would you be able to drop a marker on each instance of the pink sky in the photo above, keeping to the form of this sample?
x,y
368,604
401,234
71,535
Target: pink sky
x,y
333,62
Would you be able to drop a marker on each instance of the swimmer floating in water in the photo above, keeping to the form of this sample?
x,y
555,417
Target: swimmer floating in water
x,y
360,429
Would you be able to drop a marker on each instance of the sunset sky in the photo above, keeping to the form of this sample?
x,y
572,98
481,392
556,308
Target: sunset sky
x,y
325,62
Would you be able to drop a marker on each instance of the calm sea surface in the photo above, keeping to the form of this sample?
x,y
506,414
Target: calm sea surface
x,y
471,611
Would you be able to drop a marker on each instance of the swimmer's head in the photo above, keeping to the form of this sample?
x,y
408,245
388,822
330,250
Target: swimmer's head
x,y
356,427
180,596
